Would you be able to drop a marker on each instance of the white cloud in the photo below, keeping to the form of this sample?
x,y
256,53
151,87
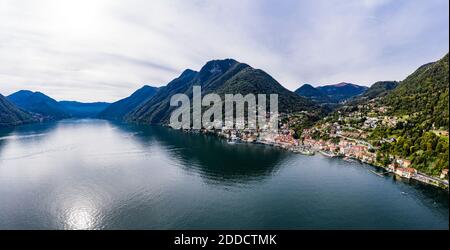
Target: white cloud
x,y
102,50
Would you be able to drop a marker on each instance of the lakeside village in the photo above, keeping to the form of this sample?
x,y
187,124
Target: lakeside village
x,y
343,142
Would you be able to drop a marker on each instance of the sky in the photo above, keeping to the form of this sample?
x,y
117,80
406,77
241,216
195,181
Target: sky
x,y
103,50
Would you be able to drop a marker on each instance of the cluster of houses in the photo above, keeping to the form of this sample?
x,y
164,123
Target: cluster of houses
x,y
370,122
402,168
286,140
344,144
315,145
345,148
239,135
354,150
352,134
372,116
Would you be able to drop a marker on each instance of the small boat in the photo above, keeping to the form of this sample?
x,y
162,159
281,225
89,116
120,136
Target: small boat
x,y
328,154
379,174
348,159
303,151
307,152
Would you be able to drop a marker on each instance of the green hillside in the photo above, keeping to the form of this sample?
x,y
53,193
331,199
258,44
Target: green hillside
x,y
11,115
421,104
424,94
380,89
312,93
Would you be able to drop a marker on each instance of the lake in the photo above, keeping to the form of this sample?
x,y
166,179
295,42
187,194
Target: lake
x,y
95,174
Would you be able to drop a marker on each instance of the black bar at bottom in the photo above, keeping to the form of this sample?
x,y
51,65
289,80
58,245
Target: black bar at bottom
x,y
223,239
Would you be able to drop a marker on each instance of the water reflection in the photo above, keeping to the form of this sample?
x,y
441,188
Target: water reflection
x,y
93,174
214,159
4,134
31,133
29,130
80,218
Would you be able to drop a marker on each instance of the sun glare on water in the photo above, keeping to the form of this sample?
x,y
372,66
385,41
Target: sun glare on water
x,y
81,214
80,219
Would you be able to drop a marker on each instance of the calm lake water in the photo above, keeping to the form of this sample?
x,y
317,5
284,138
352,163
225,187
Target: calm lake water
x,y
93,174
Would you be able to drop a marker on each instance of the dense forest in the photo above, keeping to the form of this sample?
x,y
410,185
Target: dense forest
x,y
11,115
424,94
422,137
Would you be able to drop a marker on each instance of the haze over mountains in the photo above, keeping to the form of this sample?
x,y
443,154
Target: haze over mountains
x,y
48,108
83,110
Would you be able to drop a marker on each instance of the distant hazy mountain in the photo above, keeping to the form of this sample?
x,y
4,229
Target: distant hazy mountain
x,y
331,94
11,115
37,102
342,91
83,110
117,110
312,93
220,77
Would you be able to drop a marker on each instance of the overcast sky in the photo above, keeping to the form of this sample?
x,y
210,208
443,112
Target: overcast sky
x,y
102,50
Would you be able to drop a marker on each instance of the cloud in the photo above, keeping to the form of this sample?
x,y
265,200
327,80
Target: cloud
x,y
102,50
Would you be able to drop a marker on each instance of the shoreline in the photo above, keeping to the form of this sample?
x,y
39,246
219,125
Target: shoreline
x,y
419,177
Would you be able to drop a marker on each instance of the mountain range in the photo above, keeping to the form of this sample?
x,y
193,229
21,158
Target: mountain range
x,y
423,92
331,94
47,108
152,105
39,103
220,77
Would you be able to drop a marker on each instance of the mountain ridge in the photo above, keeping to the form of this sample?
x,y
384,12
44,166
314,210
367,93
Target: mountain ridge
x,y
82,109
11,115
226,76
331,94
38,102
425,93
308,91
118,109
